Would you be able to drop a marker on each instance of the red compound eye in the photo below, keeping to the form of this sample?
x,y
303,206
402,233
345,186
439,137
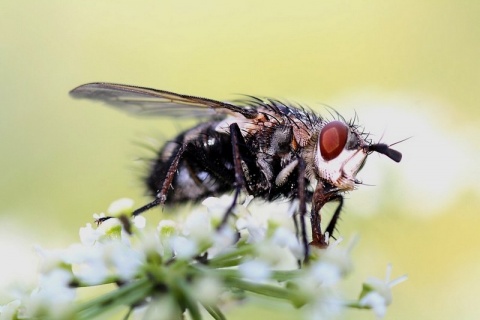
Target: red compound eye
x,y
333,138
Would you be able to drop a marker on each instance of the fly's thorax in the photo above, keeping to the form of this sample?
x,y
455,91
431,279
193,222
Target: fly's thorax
x,y
247,126
339,154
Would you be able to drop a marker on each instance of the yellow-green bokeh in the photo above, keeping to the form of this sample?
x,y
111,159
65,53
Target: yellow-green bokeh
x,y
408,68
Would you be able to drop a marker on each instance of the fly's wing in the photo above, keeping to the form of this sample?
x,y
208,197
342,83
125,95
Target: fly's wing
x,y
153,102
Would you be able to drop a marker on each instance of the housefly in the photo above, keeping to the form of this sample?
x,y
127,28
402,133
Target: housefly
x,y
262,147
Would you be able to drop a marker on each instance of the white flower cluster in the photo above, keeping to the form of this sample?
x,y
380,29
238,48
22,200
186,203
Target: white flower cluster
x,y
377,293
190,266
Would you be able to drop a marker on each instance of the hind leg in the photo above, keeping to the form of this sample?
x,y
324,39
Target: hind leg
x,y
161,196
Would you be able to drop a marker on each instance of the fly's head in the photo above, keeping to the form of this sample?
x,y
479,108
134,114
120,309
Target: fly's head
x,y
341,152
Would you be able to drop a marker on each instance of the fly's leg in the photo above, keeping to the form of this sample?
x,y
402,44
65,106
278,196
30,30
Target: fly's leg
x,y
333,222
317,203
236,139
324,193
302,207
318,239
297,234
293,211
161,196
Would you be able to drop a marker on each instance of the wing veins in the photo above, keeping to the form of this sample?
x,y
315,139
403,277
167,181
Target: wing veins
x,y
153,101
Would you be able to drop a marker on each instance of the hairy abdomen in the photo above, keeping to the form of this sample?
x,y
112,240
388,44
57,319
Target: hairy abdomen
x,y
205,167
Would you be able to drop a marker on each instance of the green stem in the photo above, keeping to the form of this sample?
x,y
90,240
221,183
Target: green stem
x,y
77,283
215,312
238,253
280,276
355,305
225,263
262,289
128,295
184,298
285,275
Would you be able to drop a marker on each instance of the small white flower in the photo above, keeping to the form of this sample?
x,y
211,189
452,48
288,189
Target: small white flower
x,y
111,227
223,239
207,289
184,248
55,285
218,204
276,213
77,253
89,235
255,270
376,302
139,222
326,273
198,226
124,260
325,306
93,273
9,310
217,207
93,265
333,264
379,294
287,239
54,294
88,263
167,228
334,260
120,206
256,227
150,243
274,255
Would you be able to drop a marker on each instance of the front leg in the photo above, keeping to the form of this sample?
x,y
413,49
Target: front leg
x,y
323,194
333,222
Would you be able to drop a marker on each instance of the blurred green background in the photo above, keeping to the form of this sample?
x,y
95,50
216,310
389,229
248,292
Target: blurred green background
x,y
407,68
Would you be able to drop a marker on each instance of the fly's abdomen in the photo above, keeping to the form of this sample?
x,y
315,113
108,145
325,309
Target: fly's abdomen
x,y
205,166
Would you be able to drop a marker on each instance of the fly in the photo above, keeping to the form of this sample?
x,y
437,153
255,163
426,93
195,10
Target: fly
x,y
263,147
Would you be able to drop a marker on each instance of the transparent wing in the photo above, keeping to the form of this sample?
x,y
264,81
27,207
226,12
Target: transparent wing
x,y
153,102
